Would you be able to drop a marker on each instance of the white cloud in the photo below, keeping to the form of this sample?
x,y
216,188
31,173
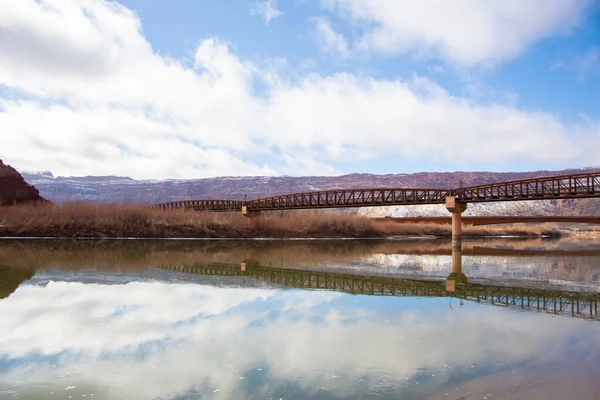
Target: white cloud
x,y
329,40
157,340
100,101
464,32
267,9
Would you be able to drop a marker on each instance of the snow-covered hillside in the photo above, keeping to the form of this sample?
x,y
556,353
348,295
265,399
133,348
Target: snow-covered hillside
x,y
104,189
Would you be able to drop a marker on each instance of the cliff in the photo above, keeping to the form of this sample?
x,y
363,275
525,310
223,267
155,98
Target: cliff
x,y
14,189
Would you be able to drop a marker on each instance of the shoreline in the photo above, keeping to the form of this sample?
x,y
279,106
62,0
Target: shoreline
x,y
283,238
232,239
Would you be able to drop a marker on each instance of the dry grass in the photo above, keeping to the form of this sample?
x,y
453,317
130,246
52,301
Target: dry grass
x,y
439,230
113,220
137,254
586,232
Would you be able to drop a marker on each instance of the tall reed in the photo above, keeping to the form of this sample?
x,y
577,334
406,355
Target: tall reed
x,y
81,219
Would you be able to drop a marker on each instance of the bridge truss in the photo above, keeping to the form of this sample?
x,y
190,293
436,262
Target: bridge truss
x,y
554,187
579,305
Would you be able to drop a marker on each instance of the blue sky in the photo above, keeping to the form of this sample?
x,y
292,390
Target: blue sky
x,y
190,89
549,76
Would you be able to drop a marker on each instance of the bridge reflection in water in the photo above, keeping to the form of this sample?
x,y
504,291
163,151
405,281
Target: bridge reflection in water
x,y
456,285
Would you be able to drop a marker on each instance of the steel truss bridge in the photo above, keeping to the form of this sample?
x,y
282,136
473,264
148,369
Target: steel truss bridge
x,y
579,305
554,187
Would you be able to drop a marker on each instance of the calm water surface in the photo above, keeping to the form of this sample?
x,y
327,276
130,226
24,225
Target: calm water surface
x,y
299,320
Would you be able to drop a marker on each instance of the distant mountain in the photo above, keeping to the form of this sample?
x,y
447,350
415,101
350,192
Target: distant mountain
x,y
117,189
14,189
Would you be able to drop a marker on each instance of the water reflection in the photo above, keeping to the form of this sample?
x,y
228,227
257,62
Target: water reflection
x,y
246,327
456,276
11,278
582,305
551,264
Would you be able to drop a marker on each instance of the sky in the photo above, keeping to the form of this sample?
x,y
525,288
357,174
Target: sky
x,y
198,88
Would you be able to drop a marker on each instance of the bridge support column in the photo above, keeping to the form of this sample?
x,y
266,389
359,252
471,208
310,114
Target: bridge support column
x,y
248,263
250,213
456,209
456,276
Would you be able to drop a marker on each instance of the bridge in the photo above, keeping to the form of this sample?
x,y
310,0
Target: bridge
x,y
585,185
573,304
553,187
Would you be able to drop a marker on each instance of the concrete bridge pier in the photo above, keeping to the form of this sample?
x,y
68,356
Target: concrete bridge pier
x,y
456,209
456,276
250,213
249,263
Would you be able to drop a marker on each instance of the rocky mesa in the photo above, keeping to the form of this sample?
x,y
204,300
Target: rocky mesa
x,y
14,189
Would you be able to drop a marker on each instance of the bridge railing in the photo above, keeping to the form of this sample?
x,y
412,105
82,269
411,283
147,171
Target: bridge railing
x,y
202,205
350,198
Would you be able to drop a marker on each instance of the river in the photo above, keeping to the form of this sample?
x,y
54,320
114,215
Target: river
x,y
321,319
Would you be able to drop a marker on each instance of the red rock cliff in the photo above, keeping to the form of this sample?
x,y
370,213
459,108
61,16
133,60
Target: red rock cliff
x,y
14,189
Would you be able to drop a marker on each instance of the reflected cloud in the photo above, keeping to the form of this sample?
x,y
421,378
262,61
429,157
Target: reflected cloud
x,y
155,339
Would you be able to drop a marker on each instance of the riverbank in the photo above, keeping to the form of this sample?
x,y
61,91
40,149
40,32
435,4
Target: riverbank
x,y
85,220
